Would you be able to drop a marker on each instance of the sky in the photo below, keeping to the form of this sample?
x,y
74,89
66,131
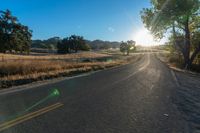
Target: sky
x,y
112,20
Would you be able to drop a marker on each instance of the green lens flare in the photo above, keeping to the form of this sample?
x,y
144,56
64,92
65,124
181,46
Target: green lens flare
x,y
55,92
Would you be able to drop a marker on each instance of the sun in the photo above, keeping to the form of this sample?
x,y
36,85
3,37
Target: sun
x,y
144,38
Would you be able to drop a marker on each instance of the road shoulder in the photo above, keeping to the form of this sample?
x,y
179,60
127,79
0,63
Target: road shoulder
x,y
187,95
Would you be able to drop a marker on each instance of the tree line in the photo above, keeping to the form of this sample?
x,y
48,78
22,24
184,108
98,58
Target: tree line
x,y
51,43
180,19
14,37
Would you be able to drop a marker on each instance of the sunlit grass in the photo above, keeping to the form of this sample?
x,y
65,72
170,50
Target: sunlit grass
x,y
51,56
33,69
18,69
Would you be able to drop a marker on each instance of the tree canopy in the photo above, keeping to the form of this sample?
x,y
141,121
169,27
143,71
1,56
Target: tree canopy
x,y
13,35
128,46
175,16
72,44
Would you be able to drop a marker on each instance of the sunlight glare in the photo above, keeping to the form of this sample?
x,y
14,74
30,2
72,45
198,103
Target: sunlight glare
x,y
144,38
131,48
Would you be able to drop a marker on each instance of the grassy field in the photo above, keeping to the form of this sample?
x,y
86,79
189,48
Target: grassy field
x,y
6,57
22,69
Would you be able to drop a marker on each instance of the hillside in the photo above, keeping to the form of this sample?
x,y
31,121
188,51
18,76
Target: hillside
x,y
95,45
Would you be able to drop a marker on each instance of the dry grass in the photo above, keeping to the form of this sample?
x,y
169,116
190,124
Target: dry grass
x,y
172,60
21,75
177,61
52,57
26,71
19,69
24,68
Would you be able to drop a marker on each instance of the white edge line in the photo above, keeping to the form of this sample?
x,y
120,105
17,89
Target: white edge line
x,y
40,83
175,78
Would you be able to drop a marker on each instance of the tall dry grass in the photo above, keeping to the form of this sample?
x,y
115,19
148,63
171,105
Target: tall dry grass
x,y
22,69
5,57
21,72
35,67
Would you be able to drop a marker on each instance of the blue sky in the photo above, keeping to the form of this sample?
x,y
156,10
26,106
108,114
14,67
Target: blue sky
x,y
114,20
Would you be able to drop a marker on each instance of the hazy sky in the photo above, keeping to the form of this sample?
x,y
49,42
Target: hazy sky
x,y
94,19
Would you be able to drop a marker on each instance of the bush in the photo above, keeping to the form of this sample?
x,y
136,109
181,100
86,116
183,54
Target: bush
x,y
176,59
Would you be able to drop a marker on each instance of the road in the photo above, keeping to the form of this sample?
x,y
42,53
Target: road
x,y
134,98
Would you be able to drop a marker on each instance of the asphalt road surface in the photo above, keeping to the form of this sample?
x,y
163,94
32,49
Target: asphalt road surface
x,y
134,98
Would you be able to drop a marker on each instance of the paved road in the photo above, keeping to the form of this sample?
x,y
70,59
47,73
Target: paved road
x,y
135,98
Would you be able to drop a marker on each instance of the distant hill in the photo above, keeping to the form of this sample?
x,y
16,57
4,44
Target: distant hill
x,y
50,43
95,45
99,44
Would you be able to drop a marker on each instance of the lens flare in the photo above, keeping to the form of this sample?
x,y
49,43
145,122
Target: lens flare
x,y
55,92
131,48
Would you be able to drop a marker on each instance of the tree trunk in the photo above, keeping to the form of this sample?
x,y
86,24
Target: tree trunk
x,y
187,45
194,54
174,34
177,44
127,52
76,49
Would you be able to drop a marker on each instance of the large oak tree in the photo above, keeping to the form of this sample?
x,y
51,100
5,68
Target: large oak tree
x,y
165,15
13,35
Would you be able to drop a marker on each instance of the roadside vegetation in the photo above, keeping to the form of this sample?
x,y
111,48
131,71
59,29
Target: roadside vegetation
x,y
176,60
18,69
179,19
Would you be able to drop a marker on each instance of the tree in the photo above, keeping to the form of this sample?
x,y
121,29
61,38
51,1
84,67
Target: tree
x,y
72,44
63,46
126,47
130,46
167,15
22,39
13,35
123,48
60,48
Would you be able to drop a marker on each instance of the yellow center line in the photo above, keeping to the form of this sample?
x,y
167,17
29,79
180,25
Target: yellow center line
x,y
28,116
24,116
